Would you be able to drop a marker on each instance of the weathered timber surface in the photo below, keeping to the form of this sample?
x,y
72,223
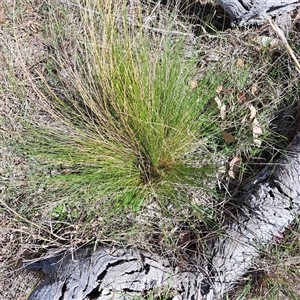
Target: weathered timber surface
x,y
249,12
268,208
110,274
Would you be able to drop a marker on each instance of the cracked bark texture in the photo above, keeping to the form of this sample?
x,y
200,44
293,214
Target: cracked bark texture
x,y
109,274
249,12
269,206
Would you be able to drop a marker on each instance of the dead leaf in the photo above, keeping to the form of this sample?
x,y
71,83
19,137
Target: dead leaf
x,y
219,89
252,111
257,131
254,89
279,237
229,138
2,16
222,169
193,84
242,97
184,238
234,166
231,174
221,107
240,63
235,163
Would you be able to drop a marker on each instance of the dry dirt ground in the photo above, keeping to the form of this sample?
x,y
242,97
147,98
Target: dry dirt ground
x,y
15,283
23,46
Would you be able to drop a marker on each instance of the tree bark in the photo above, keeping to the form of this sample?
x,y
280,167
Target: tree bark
x,y
268,208
271,203
110,274
249,12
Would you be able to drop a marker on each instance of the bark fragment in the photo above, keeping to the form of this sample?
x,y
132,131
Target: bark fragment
x,y
249,12
268,208
107,273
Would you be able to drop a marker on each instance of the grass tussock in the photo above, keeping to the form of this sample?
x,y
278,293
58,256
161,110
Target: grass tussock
x,y
134,129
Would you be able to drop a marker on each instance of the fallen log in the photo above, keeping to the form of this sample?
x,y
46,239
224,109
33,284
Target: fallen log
x,y
268,208
250,12
271,203
110,274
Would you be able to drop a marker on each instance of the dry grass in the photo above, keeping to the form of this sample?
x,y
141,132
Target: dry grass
x,y
35,219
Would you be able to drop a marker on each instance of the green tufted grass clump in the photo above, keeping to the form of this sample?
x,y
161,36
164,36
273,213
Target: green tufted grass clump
x,y
133,128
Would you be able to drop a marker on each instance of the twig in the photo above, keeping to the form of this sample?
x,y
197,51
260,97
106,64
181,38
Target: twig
x,y
282,37
37,237
35,225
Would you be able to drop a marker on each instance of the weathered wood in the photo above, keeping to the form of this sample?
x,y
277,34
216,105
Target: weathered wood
x,y
249,12
268,208
110,274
